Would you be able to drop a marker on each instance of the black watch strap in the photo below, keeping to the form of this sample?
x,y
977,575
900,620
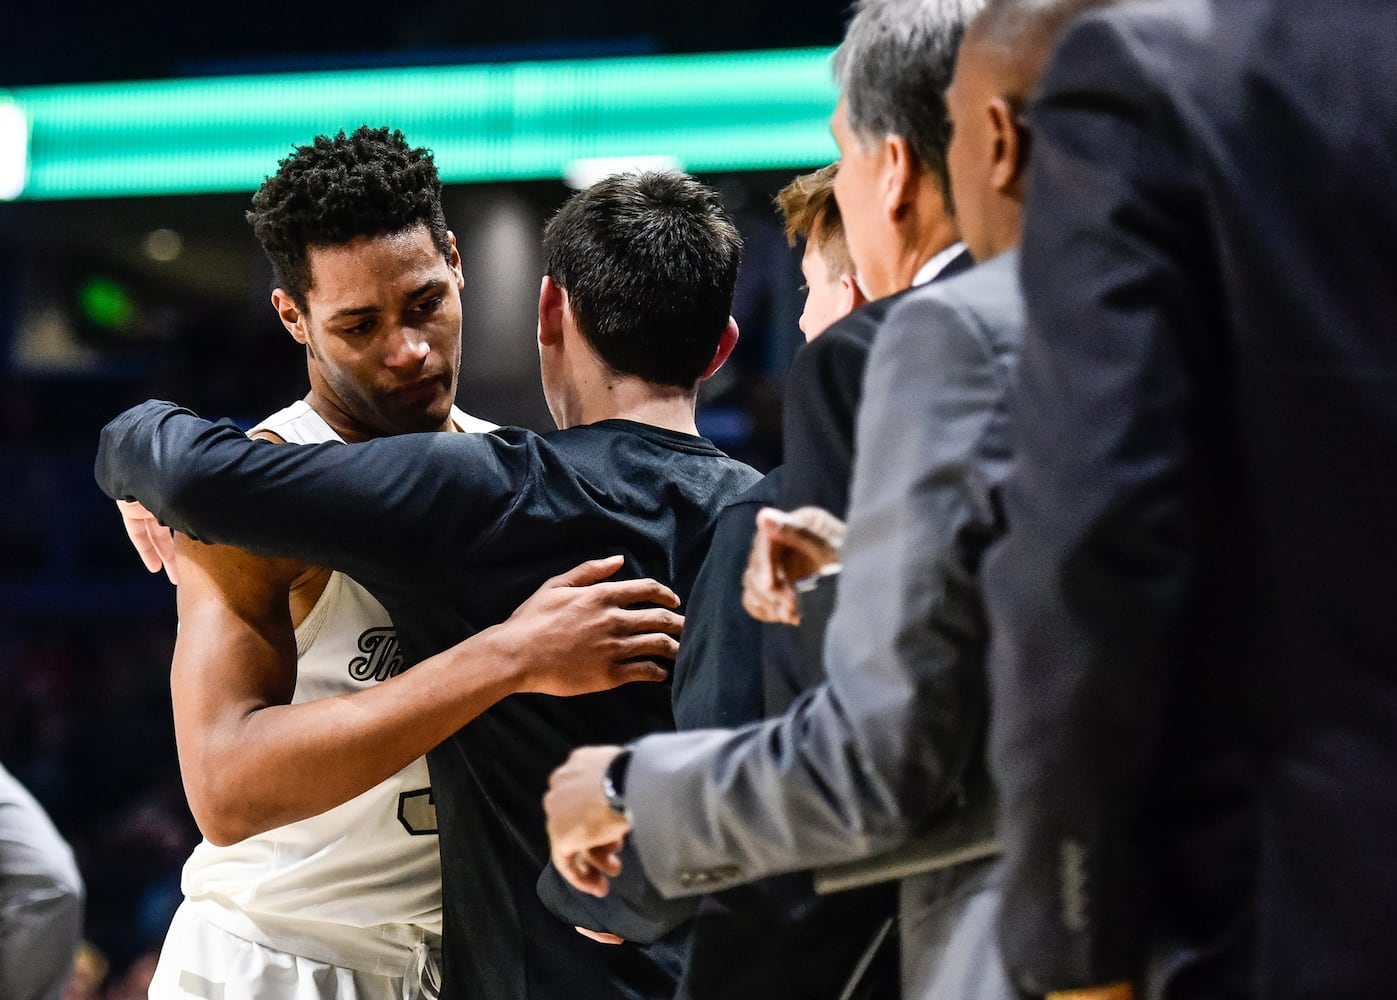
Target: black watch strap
x,y
613,781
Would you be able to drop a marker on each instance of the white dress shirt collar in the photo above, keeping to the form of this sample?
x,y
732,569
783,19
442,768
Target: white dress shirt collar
x,y
937,264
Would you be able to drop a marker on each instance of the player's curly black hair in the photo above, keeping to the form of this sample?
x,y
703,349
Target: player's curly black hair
x,y
369,183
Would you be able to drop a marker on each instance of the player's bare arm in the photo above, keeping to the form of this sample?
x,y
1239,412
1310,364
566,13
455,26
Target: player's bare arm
x,y
235,656
253,761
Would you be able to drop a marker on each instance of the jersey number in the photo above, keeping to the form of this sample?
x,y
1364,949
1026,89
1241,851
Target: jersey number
x,y
417,812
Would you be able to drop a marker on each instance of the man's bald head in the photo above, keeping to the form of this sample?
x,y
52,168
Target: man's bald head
x,y
1022,34
1004,51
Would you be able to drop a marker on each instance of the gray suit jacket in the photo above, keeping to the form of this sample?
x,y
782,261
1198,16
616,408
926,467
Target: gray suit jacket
x,y
885,747
41,899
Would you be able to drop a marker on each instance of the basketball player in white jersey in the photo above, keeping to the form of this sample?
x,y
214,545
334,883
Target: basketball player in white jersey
x,y
319,874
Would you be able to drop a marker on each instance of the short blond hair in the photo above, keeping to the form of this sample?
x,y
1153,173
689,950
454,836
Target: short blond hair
x,y
812,214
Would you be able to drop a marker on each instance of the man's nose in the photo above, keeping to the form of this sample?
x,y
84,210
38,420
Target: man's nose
x,y
410,347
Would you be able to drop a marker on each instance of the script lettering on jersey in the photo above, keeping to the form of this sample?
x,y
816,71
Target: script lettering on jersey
x,y
382,658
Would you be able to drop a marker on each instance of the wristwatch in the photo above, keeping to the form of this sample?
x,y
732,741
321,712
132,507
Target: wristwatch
x,y
613,781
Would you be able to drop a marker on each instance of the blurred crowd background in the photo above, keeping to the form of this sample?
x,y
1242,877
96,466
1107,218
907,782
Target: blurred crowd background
x,y
104,303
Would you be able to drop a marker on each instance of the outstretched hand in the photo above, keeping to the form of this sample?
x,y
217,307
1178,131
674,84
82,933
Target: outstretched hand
x,y
581,633
788,549
154,542
584,833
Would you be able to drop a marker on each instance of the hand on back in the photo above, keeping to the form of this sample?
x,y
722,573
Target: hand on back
x,y
581,632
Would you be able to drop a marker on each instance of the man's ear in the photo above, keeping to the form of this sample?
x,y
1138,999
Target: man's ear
x,y
725,345
552,301
850,294
454,260
290,314
900,173
1008,149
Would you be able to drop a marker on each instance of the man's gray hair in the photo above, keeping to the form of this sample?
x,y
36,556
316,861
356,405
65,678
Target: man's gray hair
x,y
893,69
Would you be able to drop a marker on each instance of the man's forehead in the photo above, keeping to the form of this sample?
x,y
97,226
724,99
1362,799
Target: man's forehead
x,y
406,243
839,118
406,258
850,147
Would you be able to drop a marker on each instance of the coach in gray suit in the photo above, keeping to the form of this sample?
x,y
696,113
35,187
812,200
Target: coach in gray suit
x,y
892,746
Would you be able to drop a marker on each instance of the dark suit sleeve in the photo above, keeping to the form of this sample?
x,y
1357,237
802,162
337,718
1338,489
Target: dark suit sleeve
x,y
1086,588
857,764
377,510
718,672
822,395
632,908
717,682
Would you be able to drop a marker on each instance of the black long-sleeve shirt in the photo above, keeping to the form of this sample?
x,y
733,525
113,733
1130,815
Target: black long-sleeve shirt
x,y
451,532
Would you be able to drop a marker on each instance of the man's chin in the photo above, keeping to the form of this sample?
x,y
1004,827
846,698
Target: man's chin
x,y
418,419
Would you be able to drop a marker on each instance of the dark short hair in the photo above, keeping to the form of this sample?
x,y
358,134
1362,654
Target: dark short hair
x,y
649,262
370,183
893,68
812,214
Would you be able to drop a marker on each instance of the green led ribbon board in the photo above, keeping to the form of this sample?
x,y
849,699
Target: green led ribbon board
x,y
762,110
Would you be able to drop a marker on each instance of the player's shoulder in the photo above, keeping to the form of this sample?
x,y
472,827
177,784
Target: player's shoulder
x,y
296,424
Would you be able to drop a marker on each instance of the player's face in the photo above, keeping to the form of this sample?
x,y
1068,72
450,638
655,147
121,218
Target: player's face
x,y
382,327
826,299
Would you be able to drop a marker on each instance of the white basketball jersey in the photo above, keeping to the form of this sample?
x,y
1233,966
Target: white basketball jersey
x,y
371,862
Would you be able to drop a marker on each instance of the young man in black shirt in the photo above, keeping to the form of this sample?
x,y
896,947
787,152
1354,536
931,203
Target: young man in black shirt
x,y
453,532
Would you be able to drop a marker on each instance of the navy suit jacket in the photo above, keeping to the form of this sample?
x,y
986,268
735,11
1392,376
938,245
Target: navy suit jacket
x,y
1192,607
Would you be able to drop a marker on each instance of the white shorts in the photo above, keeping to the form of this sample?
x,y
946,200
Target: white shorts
x,y
202,961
